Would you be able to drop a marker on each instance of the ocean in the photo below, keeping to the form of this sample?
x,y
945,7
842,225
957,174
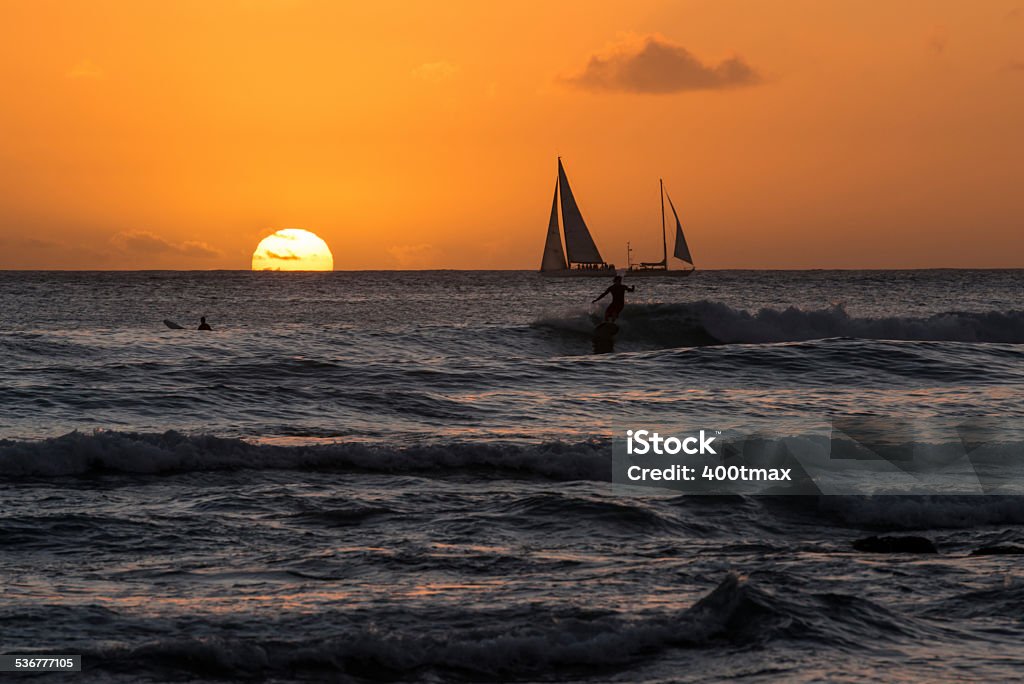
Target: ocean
x,y
406,476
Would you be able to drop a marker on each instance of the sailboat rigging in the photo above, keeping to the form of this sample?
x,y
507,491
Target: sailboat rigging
x,y
681,250
581,256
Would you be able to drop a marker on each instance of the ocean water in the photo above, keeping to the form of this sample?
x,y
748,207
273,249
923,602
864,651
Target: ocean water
x,y
406,476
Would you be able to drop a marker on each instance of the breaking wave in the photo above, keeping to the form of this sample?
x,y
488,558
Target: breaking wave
x,y
705,322
579,640
78,453
572,641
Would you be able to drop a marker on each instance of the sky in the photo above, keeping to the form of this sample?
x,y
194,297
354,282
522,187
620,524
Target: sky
x,y
790,133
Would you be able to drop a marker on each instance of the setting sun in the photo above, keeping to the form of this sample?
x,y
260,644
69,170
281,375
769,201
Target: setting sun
x,y
292,249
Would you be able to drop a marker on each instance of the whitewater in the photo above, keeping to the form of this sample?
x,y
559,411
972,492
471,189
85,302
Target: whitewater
x,y
406,476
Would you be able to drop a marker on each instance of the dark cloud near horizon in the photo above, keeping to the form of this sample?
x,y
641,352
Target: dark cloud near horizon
x,y
283,257
657,66
24,251
142,242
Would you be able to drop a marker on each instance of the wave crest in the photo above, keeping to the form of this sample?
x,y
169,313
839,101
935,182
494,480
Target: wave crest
x,y
79,453
494,649
706,322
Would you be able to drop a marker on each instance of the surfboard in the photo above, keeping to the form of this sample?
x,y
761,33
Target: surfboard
x,y
172,325
604,337
606,330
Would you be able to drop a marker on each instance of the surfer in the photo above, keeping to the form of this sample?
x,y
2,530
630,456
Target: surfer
x,y
618,292
203,325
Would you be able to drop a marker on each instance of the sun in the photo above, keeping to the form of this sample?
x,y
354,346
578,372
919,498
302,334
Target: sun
x,y
292,249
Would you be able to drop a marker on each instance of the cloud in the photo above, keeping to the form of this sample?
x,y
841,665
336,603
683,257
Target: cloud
x,y
142,242
31,252
283,257
415,256
435,72
86,69
1014,66
653,64
195,248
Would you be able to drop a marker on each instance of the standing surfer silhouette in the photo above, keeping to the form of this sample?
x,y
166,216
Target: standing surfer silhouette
x,y
618,292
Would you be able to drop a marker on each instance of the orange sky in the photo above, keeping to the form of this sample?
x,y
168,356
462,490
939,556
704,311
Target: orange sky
x,y
791,134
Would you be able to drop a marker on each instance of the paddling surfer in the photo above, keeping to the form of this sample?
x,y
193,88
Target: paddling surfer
x,y
618,292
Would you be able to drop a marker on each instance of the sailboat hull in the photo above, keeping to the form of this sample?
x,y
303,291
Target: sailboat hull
x,y
578,273
657,273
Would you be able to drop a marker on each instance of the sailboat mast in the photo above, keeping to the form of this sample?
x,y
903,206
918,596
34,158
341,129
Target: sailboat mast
x,y
664,240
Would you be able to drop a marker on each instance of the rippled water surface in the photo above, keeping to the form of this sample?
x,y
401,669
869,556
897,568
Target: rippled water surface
x,y
405,477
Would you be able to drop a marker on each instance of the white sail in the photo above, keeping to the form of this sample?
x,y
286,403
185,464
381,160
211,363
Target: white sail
x,y
554,257
681,251
579,246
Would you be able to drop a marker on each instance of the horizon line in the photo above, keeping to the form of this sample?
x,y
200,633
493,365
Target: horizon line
x,y
490,270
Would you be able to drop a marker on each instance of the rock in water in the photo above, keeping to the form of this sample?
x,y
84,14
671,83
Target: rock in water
x,y
895,545
999,550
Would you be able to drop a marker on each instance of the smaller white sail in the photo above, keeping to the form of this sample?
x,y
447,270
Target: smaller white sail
x,y
554,257
682,251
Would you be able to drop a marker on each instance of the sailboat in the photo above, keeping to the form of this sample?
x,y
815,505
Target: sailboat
x,y
681,251
581,256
